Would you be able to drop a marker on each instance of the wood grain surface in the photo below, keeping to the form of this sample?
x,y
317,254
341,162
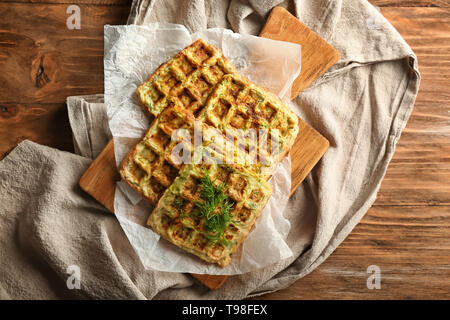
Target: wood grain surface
x,y
411,3
407,231
42,63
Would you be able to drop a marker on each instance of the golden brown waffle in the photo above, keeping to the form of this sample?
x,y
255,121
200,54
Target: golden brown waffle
x,y
148,167
152,165
176,218
187,79
201,80
237,106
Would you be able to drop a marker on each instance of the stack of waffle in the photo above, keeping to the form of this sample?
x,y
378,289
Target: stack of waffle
x,y
199,89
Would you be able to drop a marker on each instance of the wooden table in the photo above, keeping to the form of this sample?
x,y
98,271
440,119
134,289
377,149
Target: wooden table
x,y
406,232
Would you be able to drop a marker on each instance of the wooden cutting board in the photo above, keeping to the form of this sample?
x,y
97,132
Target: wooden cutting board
x,y
317,56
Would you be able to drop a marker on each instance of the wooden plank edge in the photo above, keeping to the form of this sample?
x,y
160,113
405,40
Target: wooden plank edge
x,y
317,156
110,173
211,281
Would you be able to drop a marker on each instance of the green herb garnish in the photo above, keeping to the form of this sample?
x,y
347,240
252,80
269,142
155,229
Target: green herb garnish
x,y
215,208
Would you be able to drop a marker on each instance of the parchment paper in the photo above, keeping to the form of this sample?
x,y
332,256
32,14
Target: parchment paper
x,y
132,53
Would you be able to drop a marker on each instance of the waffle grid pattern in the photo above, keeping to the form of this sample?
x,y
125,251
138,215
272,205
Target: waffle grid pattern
x,y
236,106
175,220
152,165
149,167
201,80
187,79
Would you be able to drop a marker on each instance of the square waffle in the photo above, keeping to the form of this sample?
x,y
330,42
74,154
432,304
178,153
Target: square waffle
x,y
148,167
201,80
187,79
176,217
237,105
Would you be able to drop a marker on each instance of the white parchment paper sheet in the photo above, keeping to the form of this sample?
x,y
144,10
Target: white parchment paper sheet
x,y
132,53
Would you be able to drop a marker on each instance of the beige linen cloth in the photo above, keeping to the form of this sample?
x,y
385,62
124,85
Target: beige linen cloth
x,y
47,223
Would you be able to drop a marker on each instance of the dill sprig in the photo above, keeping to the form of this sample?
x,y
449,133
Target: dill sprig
x,y
215,208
